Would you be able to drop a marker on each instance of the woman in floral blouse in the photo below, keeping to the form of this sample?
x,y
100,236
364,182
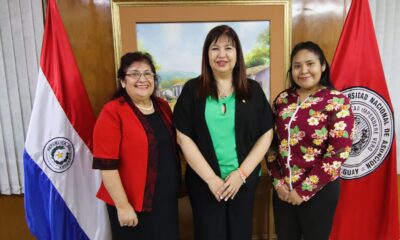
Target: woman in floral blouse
x,y
314,124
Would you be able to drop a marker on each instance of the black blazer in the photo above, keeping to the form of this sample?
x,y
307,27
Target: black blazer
x,y
253,118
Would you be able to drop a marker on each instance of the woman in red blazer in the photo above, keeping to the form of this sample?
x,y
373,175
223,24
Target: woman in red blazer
x,y
135,149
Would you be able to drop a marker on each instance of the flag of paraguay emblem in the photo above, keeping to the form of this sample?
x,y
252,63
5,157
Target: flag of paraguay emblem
x,y
58,154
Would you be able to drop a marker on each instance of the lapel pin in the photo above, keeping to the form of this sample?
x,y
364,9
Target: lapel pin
x,y
243,101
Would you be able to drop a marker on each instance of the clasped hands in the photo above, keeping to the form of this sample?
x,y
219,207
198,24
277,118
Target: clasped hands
x,y
286,195
225,190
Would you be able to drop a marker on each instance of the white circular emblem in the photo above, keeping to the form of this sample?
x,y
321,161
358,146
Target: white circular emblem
x,y
58,154
374,127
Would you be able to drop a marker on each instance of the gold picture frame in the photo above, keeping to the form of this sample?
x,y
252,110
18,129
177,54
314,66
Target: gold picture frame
x,y
126,14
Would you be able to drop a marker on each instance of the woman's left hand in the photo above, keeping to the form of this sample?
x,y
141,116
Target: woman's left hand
x,y
294,198
232,185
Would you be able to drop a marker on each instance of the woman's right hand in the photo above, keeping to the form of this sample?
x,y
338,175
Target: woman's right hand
x,y
283,192
215,184
199,164
127,216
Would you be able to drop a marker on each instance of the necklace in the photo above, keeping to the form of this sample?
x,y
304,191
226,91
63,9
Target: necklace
x,y
144,107
224,92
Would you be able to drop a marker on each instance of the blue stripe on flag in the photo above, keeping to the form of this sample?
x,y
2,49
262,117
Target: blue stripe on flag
x,y
46,211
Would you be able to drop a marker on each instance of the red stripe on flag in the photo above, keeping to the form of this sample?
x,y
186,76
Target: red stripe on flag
x,y
368,207
60,68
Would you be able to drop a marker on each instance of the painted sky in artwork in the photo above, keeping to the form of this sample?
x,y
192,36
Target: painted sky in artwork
x,y
178,46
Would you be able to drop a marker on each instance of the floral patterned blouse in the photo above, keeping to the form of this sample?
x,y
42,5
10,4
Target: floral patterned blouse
x,y
314,139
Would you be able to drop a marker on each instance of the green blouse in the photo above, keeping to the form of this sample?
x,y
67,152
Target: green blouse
x,y
220,119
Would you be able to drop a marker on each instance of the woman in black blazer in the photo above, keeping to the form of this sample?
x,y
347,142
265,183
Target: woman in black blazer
x,y
224,128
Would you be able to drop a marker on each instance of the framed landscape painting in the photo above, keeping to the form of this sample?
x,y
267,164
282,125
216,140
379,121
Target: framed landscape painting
x,y
176,49
173,32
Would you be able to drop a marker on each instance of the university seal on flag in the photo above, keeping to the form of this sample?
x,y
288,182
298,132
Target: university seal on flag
x,y
374,127
58,154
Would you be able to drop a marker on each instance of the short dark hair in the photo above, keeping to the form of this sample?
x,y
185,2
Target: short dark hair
x,y
314,48
208,86
127,60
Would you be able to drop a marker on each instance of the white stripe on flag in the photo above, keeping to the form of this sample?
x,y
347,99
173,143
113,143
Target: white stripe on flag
x,y
79,184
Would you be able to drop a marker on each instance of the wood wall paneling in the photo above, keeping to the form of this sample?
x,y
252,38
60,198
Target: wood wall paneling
x,y
89,29
319,21
12,218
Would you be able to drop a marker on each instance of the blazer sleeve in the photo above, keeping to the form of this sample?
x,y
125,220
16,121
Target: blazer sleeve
x,y
272,156
183,110
107,139
267,120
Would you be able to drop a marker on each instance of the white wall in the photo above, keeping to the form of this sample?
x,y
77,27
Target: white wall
x,y
387,28
21,31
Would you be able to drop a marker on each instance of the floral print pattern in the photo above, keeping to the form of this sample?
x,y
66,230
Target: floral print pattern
x,y
310,101
296,135
296,174
315,138
288,111
310,183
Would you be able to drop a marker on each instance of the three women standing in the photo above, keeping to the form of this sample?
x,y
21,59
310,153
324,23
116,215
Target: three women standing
x,y
224,128
313,126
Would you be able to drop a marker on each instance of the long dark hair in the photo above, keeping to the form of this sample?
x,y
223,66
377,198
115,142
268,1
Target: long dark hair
x,y
127,60
208,86
314,48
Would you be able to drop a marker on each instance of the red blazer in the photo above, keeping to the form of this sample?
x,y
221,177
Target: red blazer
x,y
120,142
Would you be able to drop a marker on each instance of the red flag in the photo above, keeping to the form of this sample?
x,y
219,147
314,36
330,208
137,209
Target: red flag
x,y
60,185
368,207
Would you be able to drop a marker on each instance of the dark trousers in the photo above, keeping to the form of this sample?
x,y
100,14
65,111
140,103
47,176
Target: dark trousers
x,y
149,228
311,220
213,220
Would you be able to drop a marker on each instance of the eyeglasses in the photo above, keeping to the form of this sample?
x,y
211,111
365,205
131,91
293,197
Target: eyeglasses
x,y
136,75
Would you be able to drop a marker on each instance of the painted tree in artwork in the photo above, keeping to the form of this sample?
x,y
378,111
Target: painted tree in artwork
x,y
259,54
143,49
